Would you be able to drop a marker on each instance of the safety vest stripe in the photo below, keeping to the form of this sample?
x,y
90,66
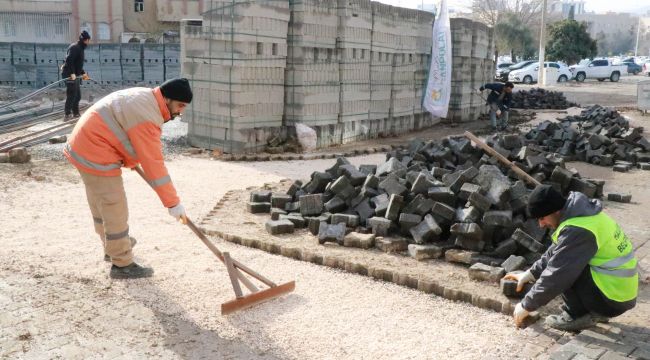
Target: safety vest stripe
x,y
117,130
160,181
117,236
617,273
90,164
98,220
619,261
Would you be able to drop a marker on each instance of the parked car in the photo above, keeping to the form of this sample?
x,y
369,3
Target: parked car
x,y
528,74
600,69
502,74
632,67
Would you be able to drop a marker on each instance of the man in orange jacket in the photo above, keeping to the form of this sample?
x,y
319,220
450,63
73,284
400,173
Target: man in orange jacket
x,y
124,129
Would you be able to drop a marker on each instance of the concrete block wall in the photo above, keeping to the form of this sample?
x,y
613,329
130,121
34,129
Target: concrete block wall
x,y
312,88
350,69
236,59
38,65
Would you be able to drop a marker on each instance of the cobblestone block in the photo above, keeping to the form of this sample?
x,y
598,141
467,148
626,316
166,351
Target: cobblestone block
x,y
408,221
331,233
621,168
460,256
443,213
422,184
311,204
342,187
294,188
336,204
318,182
527,241
443,195
258,207
395,204
262,196
379,225
279,200
292,206
392,186
313,223
298,221
498,218
275,213
371,182
479,201
622,198
514,263
468,189
482,272
562,176
358,240
426,231
424,252
276,227
365,211
468,215
468,236
349,220
390,166
505,248
419,205
368,169
19,155
509,288
391,245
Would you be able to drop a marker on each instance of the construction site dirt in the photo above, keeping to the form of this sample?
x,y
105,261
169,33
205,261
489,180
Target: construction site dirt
x,y
57,301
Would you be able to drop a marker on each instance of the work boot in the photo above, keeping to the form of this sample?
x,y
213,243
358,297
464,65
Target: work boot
x,y
133,242
132,271
67,117
565,322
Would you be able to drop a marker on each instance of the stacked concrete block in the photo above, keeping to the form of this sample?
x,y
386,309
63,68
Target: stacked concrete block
x,y
153,64
92,63
131,61
171,58
110,66
423,33
384,39
312,73
24,64
236,59
6,68
354,45
482,66
47,61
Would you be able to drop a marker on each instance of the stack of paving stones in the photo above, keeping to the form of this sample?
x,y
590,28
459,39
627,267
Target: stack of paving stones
x,y
421,117
131,59
24,61
235,59
153,64
431,200
599,136
312,74
6,68
538,98
171,55
49,57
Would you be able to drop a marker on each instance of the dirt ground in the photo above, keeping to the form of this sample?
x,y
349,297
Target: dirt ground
x,y
57,302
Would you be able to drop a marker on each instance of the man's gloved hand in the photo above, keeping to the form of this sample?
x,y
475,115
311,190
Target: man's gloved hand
x,y
73,77
522,279
85,77
178,212
520,314
499,113
481,89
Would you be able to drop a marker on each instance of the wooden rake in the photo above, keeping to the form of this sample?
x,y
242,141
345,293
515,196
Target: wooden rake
x,y
235,271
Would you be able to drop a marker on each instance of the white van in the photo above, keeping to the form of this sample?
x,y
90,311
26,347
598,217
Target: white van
x,y
528,75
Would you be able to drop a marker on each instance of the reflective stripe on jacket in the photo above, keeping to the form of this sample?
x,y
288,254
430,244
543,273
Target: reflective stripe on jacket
x,y
613,267
124,129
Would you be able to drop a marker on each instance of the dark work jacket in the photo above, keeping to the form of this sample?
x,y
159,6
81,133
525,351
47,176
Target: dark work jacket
x,y
74,60
493,97
563,262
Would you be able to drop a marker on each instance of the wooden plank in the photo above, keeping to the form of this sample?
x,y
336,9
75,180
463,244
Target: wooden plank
x,y
233,275
522,174
256,298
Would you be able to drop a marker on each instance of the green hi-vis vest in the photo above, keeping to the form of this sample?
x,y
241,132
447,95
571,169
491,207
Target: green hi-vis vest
x,y
613,268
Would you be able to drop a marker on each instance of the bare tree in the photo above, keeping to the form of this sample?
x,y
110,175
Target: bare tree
x,y
492,11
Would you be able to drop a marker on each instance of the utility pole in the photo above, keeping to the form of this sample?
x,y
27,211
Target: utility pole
x,y
541,75
638,31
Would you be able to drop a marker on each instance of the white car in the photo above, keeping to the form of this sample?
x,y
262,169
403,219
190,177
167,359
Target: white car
x,y
645,68
528,74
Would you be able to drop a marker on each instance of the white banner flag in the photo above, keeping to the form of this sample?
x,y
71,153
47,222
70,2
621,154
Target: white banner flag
x,y
436,98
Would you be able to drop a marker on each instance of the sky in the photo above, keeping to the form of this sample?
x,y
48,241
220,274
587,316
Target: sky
x,y
599,6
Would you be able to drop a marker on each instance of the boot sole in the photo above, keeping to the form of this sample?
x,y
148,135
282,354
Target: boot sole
x,y
127,276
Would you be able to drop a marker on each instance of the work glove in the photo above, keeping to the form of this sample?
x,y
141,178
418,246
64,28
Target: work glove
x,y
481,89
85,77
498,113
73,77
520,314
178,212
521,278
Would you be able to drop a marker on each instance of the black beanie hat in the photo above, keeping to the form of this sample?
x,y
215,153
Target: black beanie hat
x,y
544,200
177,89
84,35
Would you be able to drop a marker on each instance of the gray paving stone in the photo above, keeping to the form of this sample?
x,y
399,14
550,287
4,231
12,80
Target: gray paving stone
x,y
276,227
261,196
258,207
424,252
331,233
379,225
514,263
426,231
395,204
482,272
311,204
348,219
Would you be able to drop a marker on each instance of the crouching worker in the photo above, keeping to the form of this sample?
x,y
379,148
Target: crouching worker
x,y
124,129
591,263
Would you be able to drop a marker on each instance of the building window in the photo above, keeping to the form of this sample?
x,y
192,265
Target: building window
x,y
103,31
139,5
9,25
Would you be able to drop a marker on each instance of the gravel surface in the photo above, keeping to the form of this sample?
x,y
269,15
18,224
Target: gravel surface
x,y
330,315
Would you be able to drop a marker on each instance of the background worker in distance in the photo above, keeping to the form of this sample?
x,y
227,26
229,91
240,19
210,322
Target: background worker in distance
x,y
591,263
124,129
499,101
73,68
